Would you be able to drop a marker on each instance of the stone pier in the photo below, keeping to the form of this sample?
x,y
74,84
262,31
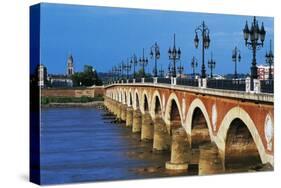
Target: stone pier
x,y
209,160
129,117
161,137
123,112
118,111
136,121
146,127
180,150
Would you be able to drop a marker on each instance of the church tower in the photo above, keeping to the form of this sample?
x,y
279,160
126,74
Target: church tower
x,y
70,67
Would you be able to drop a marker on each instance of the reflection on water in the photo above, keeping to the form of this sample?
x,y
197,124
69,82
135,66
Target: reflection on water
x,y
78,145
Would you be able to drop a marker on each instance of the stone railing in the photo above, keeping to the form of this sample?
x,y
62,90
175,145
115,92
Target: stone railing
x,y
254,86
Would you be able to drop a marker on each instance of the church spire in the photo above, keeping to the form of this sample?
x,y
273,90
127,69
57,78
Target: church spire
x,y
70,65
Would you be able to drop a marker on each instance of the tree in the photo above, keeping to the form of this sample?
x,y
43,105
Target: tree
x,y
88,77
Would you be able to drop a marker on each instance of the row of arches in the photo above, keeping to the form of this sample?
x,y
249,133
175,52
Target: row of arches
x,y
238,138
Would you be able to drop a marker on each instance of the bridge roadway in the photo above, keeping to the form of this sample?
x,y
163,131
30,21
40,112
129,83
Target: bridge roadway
x,y
218,130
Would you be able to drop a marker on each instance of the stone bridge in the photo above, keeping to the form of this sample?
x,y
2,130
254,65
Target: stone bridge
x,y
218,130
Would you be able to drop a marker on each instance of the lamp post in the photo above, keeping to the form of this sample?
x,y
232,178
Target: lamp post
x,y
270,60
155,53
169,70
205,43
127,67
256,36
211,64
180,69
134,62
118,71
236,56
121,67
114,73
174,55
143,62
194,64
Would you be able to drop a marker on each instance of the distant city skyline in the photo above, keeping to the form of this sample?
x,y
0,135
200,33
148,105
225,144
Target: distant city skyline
x,y
104,36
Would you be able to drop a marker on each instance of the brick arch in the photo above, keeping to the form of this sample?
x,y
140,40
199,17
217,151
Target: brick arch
x,y
239,113
167,116
129,98
136,99
155,95
195,104
143,95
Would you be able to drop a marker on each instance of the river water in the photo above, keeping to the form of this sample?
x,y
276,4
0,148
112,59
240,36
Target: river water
x,y
79,145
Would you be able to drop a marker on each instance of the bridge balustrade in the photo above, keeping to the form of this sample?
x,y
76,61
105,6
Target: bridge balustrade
x,y
237,85
164,80
267,86
130,80
187,82
148,80
138,80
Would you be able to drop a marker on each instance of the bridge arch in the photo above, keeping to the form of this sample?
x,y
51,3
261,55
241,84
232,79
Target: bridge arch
x,y
136,101
145,102
197,106
238,117
130,98
173,114
156,104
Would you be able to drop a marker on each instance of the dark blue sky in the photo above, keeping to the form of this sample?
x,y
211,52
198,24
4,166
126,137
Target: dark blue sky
x,y
103,37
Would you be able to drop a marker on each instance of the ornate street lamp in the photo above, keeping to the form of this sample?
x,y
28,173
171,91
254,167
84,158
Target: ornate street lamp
x,y
194,64
127,68
211,64
122,69
114,73
205,43
143,62
174,55
270,60
155,53
180,69
118,71
134,62
256,36
236,56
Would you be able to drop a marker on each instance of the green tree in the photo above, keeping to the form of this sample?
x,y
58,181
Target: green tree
x,y
88,77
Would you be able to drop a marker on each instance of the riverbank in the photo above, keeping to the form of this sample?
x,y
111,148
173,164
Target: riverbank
x,y
95,104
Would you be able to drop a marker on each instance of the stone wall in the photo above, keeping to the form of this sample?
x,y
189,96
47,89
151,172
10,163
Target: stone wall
x,y
72,92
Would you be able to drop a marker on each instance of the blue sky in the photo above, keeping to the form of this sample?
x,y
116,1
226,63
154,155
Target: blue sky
x,y
103,37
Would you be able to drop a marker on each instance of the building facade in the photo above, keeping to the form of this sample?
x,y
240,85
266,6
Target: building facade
x,y
263,72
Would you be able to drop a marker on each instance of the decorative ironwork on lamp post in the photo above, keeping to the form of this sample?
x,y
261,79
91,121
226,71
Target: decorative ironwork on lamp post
x,y
134,62
205,43
270,60
256,36
236,57
211,64
155,53
194,64
143,62
174,55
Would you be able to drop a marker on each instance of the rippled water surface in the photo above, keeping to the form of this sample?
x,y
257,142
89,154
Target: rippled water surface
x,y
79,145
